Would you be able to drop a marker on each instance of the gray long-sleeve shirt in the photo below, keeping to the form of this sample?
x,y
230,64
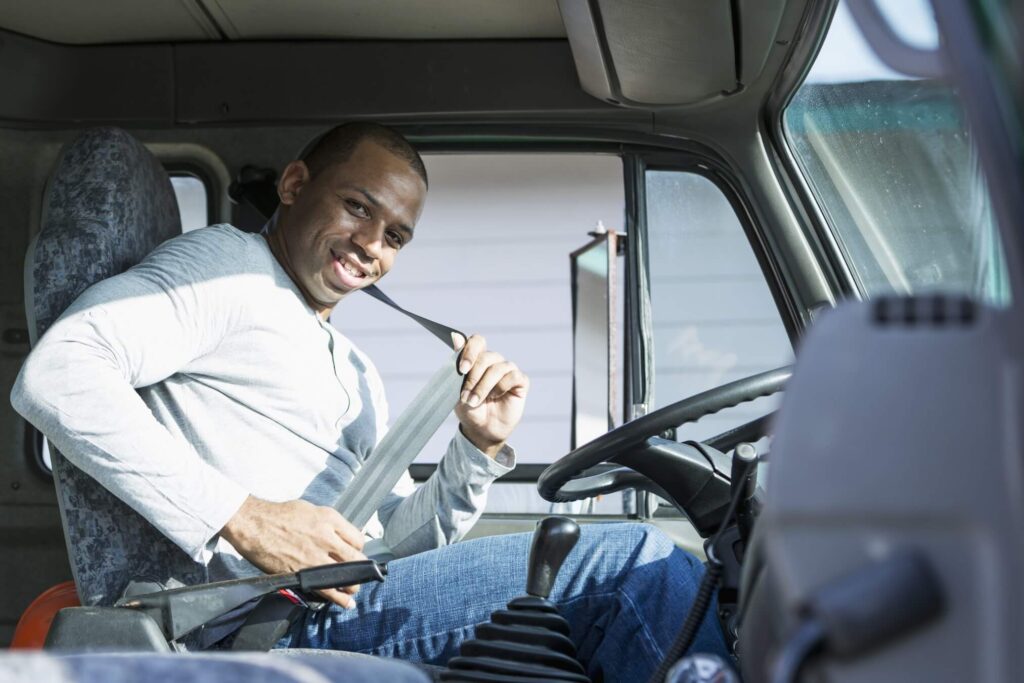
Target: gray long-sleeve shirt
x,y
201,376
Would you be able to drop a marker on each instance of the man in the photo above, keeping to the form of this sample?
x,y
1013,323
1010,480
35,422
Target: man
x,y
206,388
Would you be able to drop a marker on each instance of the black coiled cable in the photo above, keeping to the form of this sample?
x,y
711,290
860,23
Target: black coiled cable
x,y
699,608
694,618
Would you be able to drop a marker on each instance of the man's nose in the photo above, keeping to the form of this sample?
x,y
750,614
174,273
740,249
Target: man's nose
x,y
371,240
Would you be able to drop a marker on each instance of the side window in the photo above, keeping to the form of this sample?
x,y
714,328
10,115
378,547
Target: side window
x,y
714,318
193,201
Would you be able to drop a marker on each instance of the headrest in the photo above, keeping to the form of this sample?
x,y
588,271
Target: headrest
x,y
108,203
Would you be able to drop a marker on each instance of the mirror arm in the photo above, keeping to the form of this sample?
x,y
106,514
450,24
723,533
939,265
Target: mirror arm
x,y
889,47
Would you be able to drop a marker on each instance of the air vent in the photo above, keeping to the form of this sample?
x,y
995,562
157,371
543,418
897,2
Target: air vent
x,y
937,310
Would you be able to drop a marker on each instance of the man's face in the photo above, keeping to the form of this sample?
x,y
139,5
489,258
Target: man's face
x,y
341,229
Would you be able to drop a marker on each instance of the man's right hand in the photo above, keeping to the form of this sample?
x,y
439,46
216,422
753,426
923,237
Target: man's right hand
x,y
287,537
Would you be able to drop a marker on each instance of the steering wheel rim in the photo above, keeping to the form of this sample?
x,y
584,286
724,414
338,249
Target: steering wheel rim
x,y
607,446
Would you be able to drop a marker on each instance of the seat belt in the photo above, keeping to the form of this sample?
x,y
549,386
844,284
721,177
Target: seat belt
x,y
410,431
272,616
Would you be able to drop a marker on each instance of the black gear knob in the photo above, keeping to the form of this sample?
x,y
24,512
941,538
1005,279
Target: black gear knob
x,y
552,541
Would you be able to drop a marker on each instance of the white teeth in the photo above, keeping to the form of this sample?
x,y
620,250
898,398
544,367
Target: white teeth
x,y
350,270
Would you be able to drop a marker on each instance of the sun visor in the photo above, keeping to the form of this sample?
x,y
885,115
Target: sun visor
x,y
668,52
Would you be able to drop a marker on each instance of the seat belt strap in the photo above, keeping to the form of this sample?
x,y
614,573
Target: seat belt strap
x,y
442,332
408,434
396,451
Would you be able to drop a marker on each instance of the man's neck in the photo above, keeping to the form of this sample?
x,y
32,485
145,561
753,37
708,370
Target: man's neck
x,y
280,252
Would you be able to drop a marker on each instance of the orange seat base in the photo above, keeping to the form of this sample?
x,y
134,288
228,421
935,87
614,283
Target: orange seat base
x,y
30,633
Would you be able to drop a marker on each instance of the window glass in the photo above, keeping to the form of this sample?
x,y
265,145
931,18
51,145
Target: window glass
x,y
893,165
714,318
193,204
491,256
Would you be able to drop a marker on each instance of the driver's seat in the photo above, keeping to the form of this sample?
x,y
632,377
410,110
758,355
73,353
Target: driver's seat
x,y
108,203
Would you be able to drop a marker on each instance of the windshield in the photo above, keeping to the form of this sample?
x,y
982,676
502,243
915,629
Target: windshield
x,y
893,166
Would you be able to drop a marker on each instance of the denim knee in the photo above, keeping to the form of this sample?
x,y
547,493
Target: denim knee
x,y
635,543
647,539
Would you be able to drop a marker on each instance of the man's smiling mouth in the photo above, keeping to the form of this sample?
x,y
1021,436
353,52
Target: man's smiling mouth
x,y
348,272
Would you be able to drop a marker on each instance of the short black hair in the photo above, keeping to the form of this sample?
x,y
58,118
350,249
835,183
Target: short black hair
x,y
336,146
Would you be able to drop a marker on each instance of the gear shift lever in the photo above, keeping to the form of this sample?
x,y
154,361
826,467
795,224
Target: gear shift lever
x,y
553,539
529,640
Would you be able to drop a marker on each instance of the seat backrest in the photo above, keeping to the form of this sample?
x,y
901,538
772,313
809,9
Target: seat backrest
x,y
108,203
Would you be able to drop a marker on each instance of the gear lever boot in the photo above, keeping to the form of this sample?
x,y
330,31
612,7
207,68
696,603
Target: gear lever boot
x,y
528,641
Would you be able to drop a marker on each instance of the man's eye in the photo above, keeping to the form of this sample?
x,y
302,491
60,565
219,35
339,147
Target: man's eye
x,y
396,239
357,208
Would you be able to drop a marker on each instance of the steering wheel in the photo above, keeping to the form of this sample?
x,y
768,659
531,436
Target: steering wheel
x,y
678,472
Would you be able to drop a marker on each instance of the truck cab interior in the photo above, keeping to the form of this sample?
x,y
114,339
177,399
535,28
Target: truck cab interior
x,y
758,256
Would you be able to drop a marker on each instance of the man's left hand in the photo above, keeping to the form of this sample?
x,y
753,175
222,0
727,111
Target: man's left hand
x,y
493,396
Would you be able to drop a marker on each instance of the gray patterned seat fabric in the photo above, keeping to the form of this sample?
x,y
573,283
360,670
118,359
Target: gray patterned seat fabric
x,y
108,204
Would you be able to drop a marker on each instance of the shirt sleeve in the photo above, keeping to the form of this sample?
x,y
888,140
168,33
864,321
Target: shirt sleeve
x,y
136,329
446,506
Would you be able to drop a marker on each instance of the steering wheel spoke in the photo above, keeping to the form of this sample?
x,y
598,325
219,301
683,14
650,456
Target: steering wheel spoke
x,y
610,481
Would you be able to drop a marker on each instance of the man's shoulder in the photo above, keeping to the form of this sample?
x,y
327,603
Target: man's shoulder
x,y
220,248
215,237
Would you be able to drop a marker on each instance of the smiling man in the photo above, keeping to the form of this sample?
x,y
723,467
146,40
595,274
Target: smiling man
x,y
207,389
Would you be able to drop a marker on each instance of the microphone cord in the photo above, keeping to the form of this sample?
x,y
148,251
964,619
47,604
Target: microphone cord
x,y
699,608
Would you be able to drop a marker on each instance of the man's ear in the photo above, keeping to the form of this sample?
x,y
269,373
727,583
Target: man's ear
x,y
294,177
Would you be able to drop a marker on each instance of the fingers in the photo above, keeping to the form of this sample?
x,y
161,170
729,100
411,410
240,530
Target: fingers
x,y
499,378
514,382
492,377
343,528
481,364
474,348
342,542
338,598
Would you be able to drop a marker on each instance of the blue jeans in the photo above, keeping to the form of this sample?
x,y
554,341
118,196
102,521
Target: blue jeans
x,y
625,590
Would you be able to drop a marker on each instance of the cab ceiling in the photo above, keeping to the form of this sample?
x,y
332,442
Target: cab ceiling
x,y
75,22
226,62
